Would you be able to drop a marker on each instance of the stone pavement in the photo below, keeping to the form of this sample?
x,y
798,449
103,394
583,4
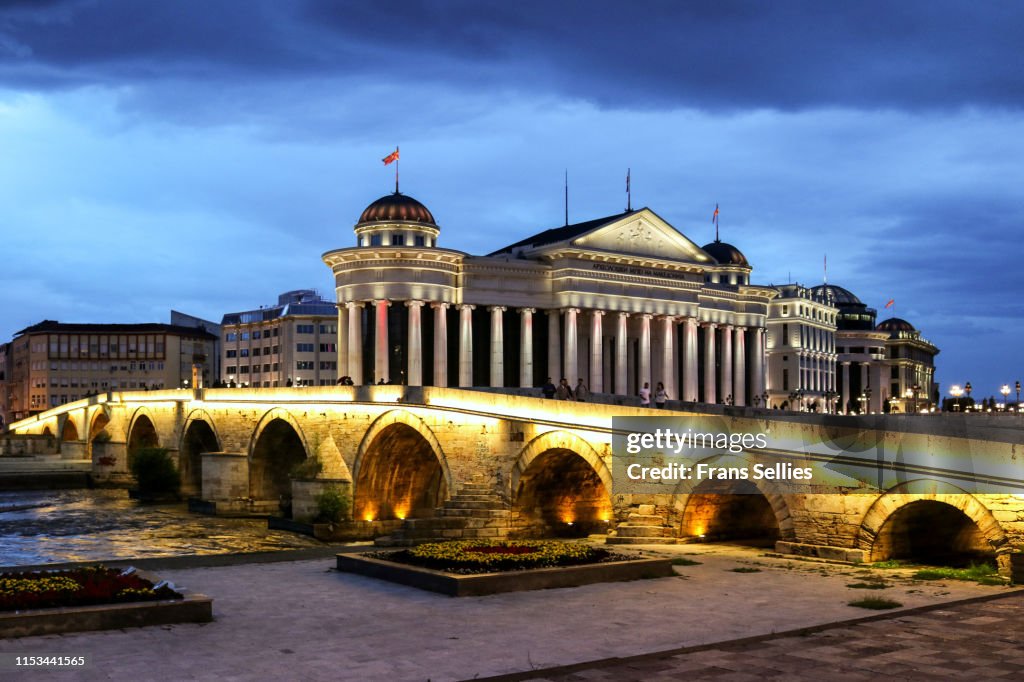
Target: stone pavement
x,y
973,641
301,620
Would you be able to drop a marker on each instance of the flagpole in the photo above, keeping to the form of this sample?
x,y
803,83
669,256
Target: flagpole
x,y
629,192
396,169
566,196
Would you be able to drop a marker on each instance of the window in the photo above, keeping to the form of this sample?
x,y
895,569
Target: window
x,y
420,240
277,349
304,364
328,329
256,334
328,348
275,334
255,351
374,240
397,239
244,353
232,354
266,367
245,336
304,348
244,369
785,310
304,329
328,364
785,335
785,379
231,369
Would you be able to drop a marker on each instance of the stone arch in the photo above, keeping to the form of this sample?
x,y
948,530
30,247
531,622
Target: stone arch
x,y
47,431
931,520
400,469
737,510
561,486
69,431
142,431
198,435
98,423
278,446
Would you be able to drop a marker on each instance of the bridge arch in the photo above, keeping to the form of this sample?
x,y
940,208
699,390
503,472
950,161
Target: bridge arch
x,y
142,431
69,431
198,435
560,486
931,521
400,470
98,422
278,445
744,510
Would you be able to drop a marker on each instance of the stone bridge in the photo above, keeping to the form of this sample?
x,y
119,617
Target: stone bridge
x,y
440,462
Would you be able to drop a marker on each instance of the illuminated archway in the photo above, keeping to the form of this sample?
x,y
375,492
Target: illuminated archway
x,y
70,432
398,475
142,434
198,438
560,488
931,522
730,511
276,453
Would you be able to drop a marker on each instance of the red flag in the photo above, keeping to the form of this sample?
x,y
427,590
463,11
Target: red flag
x,y
393,156
714,216
891,303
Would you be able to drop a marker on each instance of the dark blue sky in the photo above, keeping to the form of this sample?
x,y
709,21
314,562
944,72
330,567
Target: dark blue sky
x,y
202,155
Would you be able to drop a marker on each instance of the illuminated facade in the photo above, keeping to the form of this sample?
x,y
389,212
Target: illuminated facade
x,y
54,363
617,302
289,344
801,350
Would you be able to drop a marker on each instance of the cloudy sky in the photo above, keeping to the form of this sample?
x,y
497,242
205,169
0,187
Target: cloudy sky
x,y
202,155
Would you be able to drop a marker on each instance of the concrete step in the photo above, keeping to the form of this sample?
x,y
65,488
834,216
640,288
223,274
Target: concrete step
x,y
474,504
474,513
616,540
475,497
624,531
645,520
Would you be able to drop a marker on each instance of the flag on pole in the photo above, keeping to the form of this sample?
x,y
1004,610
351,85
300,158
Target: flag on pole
x,y
891,303
714,216
393,156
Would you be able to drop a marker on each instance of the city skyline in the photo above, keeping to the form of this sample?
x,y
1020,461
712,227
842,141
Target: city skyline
x,y
202,159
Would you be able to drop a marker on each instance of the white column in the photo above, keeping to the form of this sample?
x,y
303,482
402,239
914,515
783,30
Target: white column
x,y
526,346
739,372
691,381
571,353
381,347
440,344
846,389
497,346
415,349
342,340
876,387
645,354
596,352
555,345
727,389
709,363
668,356
466,345
355,341
757,366
621,349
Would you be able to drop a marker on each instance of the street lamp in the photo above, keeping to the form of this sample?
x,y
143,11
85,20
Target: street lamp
x,y
967,390
956,391
1005,390
916,389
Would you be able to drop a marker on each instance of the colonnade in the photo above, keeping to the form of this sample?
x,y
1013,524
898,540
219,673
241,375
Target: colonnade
x,y
666,349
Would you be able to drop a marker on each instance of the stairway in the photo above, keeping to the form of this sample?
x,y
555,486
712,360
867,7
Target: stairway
x,y
642,527
475,512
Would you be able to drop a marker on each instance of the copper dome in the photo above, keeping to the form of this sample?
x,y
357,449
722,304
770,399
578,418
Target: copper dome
x,y
726,254
895,324
397,208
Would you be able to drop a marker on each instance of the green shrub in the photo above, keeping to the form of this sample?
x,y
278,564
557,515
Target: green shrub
x,y
154,471
977,572
332,505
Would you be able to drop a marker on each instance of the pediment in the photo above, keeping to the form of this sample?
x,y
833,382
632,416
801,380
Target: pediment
x,y
642,233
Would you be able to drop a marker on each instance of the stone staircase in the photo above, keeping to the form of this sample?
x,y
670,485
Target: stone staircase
x,y
642,527
475,512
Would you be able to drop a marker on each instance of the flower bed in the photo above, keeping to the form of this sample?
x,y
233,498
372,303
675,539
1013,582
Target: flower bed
x,y
482,556
78,587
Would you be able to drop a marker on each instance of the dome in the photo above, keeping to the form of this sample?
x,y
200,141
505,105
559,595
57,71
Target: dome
x,y
836,295
726,254
895,324
397,208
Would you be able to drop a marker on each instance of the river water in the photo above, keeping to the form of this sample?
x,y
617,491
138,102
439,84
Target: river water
x,y
54,526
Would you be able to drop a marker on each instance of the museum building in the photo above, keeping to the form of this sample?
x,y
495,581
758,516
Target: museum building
x,y
617,302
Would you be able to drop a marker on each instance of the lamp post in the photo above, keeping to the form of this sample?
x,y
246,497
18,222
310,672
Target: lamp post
x,y
967,390
916,389
956,391
1018,395
1005,390
764,396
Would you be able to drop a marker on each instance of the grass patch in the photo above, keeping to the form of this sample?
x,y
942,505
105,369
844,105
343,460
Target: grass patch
x,y
745,569
685,562
889,563
976,572
875,603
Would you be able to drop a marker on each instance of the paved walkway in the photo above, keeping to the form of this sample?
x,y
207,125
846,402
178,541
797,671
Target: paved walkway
x,y
976,641
301,620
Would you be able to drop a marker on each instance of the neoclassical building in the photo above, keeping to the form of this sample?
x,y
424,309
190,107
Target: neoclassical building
x,y
801,348
617,302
